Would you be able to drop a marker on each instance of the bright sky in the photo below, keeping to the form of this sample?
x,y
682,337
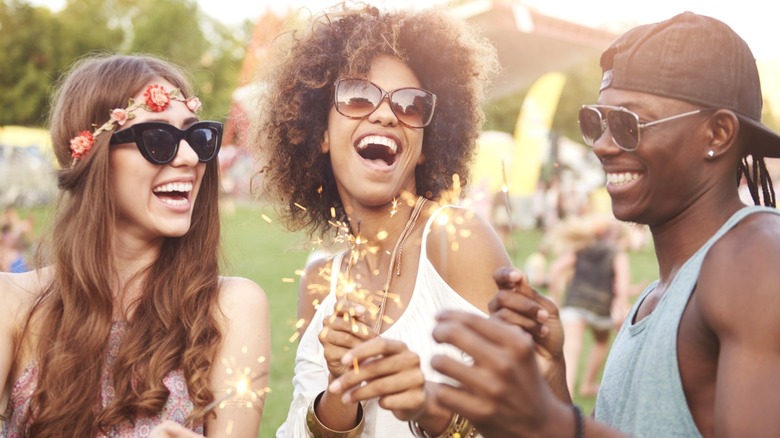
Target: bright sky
x,y
754,20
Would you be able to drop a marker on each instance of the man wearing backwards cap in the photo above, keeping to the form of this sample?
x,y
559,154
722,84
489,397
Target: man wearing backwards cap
x,y
677,124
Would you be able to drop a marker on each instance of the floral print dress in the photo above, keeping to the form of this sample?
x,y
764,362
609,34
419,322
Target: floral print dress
x,y
177,408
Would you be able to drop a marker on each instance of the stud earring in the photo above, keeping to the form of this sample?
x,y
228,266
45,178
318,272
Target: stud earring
x,y
711,153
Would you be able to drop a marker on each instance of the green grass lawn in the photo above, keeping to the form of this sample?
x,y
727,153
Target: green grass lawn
x,y
268,254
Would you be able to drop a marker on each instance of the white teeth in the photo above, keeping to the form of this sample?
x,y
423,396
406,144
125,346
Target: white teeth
x,y
174,187
621,178
377,139
175,202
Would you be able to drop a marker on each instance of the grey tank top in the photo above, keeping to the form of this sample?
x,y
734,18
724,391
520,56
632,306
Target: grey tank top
x,y
641,392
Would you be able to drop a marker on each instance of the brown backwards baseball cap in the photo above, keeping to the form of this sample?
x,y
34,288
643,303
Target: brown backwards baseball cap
x,y
697,59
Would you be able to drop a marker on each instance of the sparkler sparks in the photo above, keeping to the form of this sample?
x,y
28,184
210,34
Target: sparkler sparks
x,y
352,282
238,386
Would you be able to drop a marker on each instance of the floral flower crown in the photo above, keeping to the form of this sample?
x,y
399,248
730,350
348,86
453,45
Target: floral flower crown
x,y
156,99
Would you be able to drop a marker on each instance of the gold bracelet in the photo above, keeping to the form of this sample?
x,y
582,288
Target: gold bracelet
x,y
319,430
459,427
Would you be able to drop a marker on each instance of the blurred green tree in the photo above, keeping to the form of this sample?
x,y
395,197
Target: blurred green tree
x,y
37,46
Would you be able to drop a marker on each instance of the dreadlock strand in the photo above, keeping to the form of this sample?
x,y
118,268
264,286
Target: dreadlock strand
x,y
767,188
744,167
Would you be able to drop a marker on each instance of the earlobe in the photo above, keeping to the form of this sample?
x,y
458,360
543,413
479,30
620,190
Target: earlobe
x,y
421,159
325,145
724,129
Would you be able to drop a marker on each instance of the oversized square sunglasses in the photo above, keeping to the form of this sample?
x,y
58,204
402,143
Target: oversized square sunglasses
x,y
159,142
623,124
358,98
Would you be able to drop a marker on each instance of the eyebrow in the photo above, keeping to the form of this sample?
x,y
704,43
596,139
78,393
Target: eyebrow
x,y
187,122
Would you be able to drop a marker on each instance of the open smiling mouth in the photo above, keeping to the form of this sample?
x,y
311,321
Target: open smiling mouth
x,y
376,147
174,193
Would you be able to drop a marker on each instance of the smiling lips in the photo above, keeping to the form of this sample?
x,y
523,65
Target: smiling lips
x,y
176,193
621,178
377,147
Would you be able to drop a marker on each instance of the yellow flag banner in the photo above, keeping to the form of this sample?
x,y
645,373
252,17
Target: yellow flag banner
x,y
532,133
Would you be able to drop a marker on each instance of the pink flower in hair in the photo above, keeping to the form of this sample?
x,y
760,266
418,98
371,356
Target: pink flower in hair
x,y
193,104
157,98
81,144
120,116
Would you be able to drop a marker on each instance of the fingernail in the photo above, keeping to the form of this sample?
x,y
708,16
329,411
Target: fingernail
x,y
346,359
346,398
544,331
542,315
360,309
335,387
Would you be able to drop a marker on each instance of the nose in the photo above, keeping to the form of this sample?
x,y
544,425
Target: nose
x,y
384,114
605,145
185,156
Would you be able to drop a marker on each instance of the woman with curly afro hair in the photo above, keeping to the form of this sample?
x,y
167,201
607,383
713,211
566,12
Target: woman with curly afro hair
x,y
367,128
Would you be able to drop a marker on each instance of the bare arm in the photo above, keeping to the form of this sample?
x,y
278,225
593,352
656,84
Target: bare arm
x,y
17,294
314,287
738,296
8,304
244,353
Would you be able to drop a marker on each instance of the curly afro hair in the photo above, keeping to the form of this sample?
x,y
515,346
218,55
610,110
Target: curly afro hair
x,y
447,55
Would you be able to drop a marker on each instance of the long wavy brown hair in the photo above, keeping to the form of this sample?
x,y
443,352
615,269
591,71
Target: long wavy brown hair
x,y
449,57
174,322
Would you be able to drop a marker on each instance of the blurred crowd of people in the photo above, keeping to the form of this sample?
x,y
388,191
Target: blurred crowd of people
x,y
16,241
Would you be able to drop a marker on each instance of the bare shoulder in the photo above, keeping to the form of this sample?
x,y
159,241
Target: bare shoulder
x,y
241,297
466,251
739,274
315,282
454,228
18,292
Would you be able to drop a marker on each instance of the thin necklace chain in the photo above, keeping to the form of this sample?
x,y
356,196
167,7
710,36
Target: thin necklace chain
x,y
395,259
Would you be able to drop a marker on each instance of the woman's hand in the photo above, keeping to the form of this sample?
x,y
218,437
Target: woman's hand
x,y
170,429
386,369
341,331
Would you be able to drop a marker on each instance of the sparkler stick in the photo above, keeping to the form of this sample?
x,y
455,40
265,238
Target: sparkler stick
x,y
508,205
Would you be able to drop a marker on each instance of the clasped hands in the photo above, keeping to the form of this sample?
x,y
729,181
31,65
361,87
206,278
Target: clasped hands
x,y
364,365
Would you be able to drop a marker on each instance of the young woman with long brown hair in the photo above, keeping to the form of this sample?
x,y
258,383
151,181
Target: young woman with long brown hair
x,y
129,326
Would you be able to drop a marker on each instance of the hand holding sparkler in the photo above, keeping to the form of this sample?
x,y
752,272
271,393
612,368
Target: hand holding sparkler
x,y
347,327
386,369
519,304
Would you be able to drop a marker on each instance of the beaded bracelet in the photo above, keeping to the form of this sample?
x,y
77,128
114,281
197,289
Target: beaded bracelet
x,y
459,428
319,430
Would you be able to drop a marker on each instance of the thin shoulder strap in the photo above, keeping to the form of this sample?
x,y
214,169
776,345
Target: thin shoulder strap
x,y
335,269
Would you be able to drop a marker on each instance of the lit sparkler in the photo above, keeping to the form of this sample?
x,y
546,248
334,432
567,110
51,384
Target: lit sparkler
x,y
508,204
239,385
